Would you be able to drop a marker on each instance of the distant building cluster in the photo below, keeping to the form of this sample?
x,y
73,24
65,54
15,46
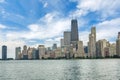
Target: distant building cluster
x,y
71,47
37,53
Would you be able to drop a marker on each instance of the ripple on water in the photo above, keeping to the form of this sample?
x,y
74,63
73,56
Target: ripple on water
x,y
101,69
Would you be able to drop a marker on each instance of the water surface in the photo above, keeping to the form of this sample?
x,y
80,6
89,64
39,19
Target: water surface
x,y
86,69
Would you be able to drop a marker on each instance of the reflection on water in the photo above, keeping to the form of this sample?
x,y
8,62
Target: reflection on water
x,y
101,69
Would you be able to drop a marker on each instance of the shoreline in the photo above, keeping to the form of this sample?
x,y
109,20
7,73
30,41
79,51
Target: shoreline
x,y
59,59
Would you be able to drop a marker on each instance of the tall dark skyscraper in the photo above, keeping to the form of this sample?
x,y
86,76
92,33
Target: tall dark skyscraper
x,y
74,34
74,30
4,52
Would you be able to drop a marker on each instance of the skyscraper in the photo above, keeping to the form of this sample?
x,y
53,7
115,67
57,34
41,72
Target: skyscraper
x,y
35,54
74,30
17,52
112,49
74,34
24,52
80,51
54,47
41,49
29,51
67,37
118,45
4,52
118,35
67,42
62,43
92,43
100,46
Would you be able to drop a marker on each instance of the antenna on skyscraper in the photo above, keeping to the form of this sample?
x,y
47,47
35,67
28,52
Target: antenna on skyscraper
x,y
73,16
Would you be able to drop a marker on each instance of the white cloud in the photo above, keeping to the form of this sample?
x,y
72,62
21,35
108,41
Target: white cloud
x,y
50,17
34,27
91,5
2,26
54,5
108,29
51,27
47,31
104,8
45,5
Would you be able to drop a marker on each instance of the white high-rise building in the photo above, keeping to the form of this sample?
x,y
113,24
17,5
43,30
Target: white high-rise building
x,y
30,53
17,53
101,45
41,49
80,51
92,43
112,49
24,52
67,38
67,42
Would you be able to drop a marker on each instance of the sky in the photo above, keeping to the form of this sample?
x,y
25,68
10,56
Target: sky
x,y
35,22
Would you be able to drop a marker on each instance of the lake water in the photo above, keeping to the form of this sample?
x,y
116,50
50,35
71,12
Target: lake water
x,y
86,69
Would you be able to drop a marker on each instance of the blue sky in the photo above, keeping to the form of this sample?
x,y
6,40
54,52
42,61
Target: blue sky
x,y
34,22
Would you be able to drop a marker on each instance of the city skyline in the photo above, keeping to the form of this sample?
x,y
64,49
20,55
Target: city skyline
x,y
70,48
32,25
